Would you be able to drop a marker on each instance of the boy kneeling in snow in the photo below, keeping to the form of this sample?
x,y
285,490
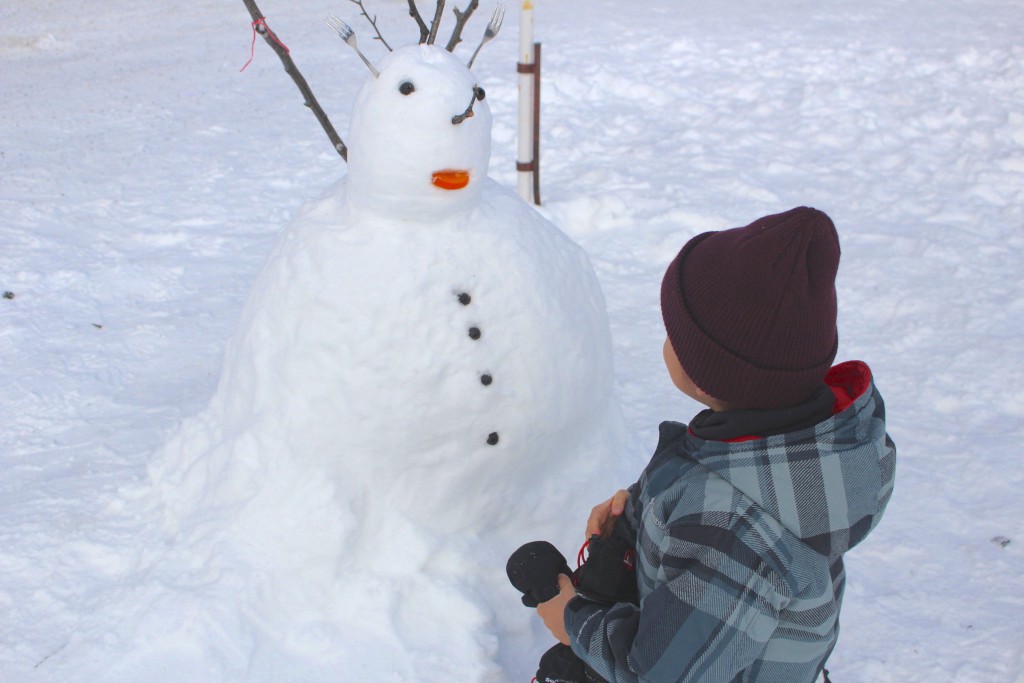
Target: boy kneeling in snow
x,y
741,519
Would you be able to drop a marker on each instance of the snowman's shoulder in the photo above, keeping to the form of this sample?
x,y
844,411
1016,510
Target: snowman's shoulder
x,y
327,216
497,198
525,241
324,231
501,205
331,206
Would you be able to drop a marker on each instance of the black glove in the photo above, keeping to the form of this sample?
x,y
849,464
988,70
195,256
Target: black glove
x,y
609,573
561,665
534,570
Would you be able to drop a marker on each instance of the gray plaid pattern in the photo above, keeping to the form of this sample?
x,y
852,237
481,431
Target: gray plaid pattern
x,y
739,548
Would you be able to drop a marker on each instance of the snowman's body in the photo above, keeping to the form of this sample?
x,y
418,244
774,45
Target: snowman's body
x,y
451,363
423,357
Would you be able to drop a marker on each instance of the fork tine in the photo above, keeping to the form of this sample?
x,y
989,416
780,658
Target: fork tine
x,y
339,26
493,26
346,33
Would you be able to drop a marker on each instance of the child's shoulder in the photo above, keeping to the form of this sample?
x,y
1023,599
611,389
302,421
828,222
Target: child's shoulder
x,y
670,432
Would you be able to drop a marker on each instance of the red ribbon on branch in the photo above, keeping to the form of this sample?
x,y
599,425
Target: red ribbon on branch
x,y
262,21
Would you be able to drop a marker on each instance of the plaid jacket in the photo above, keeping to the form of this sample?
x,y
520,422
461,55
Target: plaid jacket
x,y
739,549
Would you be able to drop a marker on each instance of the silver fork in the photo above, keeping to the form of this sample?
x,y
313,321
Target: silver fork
x,y
493,26
346,33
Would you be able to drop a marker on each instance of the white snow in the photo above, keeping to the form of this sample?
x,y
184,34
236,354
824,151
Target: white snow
x,y
144,181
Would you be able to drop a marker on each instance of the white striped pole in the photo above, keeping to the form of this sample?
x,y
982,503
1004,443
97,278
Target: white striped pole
x,y
525,67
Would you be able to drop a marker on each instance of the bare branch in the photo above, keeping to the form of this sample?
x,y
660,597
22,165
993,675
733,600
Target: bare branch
x,y
436,23
373,23
415,14
260,26
460,21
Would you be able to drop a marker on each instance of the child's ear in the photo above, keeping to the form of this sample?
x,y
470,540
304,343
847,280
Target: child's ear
x,y
713,403
686,384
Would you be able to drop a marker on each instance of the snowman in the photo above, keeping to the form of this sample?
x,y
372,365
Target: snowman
x,y
422,368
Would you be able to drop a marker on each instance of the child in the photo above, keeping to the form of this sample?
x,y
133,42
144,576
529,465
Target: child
x,y
741,519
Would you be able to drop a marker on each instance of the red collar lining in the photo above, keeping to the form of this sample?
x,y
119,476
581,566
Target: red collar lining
x,y
848,381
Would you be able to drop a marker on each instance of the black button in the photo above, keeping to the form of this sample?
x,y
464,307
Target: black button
x,y
492,439
474,333
464,298
486,380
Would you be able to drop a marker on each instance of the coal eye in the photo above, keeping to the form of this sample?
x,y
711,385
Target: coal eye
x,y
406,88
480,94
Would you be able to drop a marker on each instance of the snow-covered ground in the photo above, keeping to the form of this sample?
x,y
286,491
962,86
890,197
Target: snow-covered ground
x,y
143,180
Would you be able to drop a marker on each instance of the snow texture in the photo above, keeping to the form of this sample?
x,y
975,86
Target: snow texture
x,y
145,184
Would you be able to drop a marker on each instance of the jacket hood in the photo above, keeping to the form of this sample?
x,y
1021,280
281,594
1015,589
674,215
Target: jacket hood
x,y
827,484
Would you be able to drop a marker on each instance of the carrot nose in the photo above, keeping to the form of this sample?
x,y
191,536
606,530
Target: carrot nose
x,y
449,179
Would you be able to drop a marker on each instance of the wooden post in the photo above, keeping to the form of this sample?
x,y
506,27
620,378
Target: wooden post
x,y
536,124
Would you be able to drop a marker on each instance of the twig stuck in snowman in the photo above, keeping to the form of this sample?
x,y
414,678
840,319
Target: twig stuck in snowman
x,y
429,34
259,25
373,22
478,95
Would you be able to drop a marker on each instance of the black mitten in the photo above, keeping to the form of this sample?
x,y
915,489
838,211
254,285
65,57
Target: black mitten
x,y
534,570
609,572
561,665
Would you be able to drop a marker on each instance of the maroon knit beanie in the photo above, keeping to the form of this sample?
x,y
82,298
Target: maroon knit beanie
x,y
751,312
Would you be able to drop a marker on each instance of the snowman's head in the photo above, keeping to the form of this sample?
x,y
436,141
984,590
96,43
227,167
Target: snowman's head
x,y
420,137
